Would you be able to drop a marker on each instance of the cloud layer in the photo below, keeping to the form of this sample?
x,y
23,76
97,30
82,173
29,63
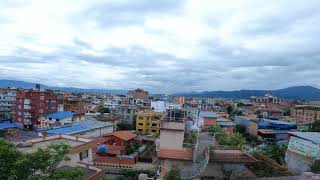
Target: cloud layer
x,y
163,46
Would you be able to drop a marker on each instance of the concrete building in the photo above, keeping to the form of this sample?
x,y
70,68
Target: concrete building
x,y
306,114
250,122
60,118
7,103
303,150
74,104
207,118
126,113
266,99
89,128
163,106
80,152
138,94
30,104
148,123
114,149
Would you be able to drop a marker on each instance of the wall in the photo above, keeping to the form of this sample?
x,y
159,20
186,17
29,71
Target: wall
x,y
96,132
297,163
170,139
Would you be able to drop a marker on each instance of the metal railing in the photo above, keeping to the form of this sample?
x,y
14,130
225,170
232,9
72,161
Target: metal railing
x,y
197,168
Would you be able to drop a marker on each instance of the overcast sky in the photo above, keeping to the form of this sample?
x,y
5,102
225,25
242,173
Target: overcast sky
x,y
161,45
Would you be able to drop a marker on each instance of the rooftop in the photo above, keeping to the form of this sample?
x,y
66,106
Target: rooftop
x,y
47,141
61,115
124,135
7,124
181,154
310,136
208,114
78,127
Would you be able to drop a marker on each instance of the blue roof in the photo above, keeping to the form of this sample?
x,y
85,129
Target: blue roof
x,y
7,124
78,127
61,115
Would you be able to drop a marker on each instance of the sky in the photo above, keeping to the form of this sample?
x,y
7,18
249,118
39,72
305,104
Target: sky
x,y
163,46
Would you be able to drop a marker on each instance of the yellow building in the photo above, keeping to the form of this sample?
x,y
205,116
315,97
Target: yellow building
x,y
148,123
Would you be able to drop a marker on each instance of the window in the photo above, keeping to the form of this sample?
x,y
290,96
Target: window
x,y
154,124
140,130
140,118
154,131
140,124
83,155
128,111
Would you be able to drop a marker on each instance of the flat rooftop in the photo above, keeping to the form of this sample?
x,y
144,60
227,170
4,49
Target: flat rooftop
x,y
78,127
47,141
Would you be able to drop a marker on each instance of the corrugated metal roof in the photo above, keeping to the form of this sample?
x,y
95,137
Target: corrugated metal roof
x,y
61,115
310,136
79,127
208,114
7,124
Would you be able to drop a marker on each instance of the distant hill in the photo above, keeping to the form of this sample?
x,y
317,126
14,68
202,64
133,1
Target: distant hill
x,y
28,85
297,92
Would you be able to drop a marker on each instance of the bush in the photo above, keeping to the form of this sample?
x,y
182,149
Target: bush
x,y
315,168
240,129
266,167
173,174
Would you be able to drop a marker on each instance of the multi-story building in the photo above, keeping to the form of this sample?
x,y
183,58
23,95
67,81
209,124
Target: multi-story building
x,y
7,102
306,114
148,123
30,104
163,106
266,99
138,94
74,104
126,113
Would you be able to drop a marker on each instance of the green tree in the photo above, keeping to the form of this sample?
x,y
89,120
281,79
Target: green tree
x,y
125,126
103,110
229,109
315,126
42,164
173,174
315,167
276,152
240,129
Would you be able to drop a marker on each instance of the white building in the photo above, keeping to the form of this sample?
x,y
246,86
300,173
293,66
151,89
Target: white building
x,y
7,102
60,118
162,106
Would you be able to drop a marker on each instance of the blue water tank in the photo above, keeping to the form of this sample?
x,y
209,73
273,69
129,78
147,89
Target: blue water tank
x,y
102,148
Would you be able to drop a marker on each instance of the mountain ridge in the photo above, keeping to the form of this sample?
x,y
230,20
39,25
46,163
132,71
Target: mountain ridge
x,y
295,92
27,85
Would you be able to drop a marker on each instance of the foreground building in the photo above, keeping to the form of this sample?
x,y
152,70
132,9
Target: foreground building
x,y
148,123
303,150
80,152
30,104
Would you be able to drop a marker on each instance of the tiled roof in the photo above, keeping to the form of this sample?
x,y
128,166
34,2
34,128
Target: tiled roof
x,y
209,122
183,154
124,135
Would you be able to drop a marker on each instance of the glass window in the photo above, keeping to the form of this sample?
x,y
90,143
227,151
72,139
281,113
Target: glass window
x,y
83,155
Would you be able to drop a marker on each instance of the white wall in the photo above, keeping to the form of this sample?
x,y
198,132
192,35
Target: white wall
x,y
96,132
158,106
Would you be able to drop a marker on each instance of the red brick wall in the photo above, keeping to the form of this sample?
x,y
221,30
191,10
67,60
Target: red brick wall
x,y
115,160
48,104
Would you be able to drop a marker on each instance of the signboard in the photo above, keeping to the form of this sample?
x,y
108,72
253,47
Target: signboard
x,y
303,147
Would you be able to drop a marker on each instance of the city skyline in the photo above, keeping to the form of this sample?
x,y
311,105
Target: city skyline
x,y
172,46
